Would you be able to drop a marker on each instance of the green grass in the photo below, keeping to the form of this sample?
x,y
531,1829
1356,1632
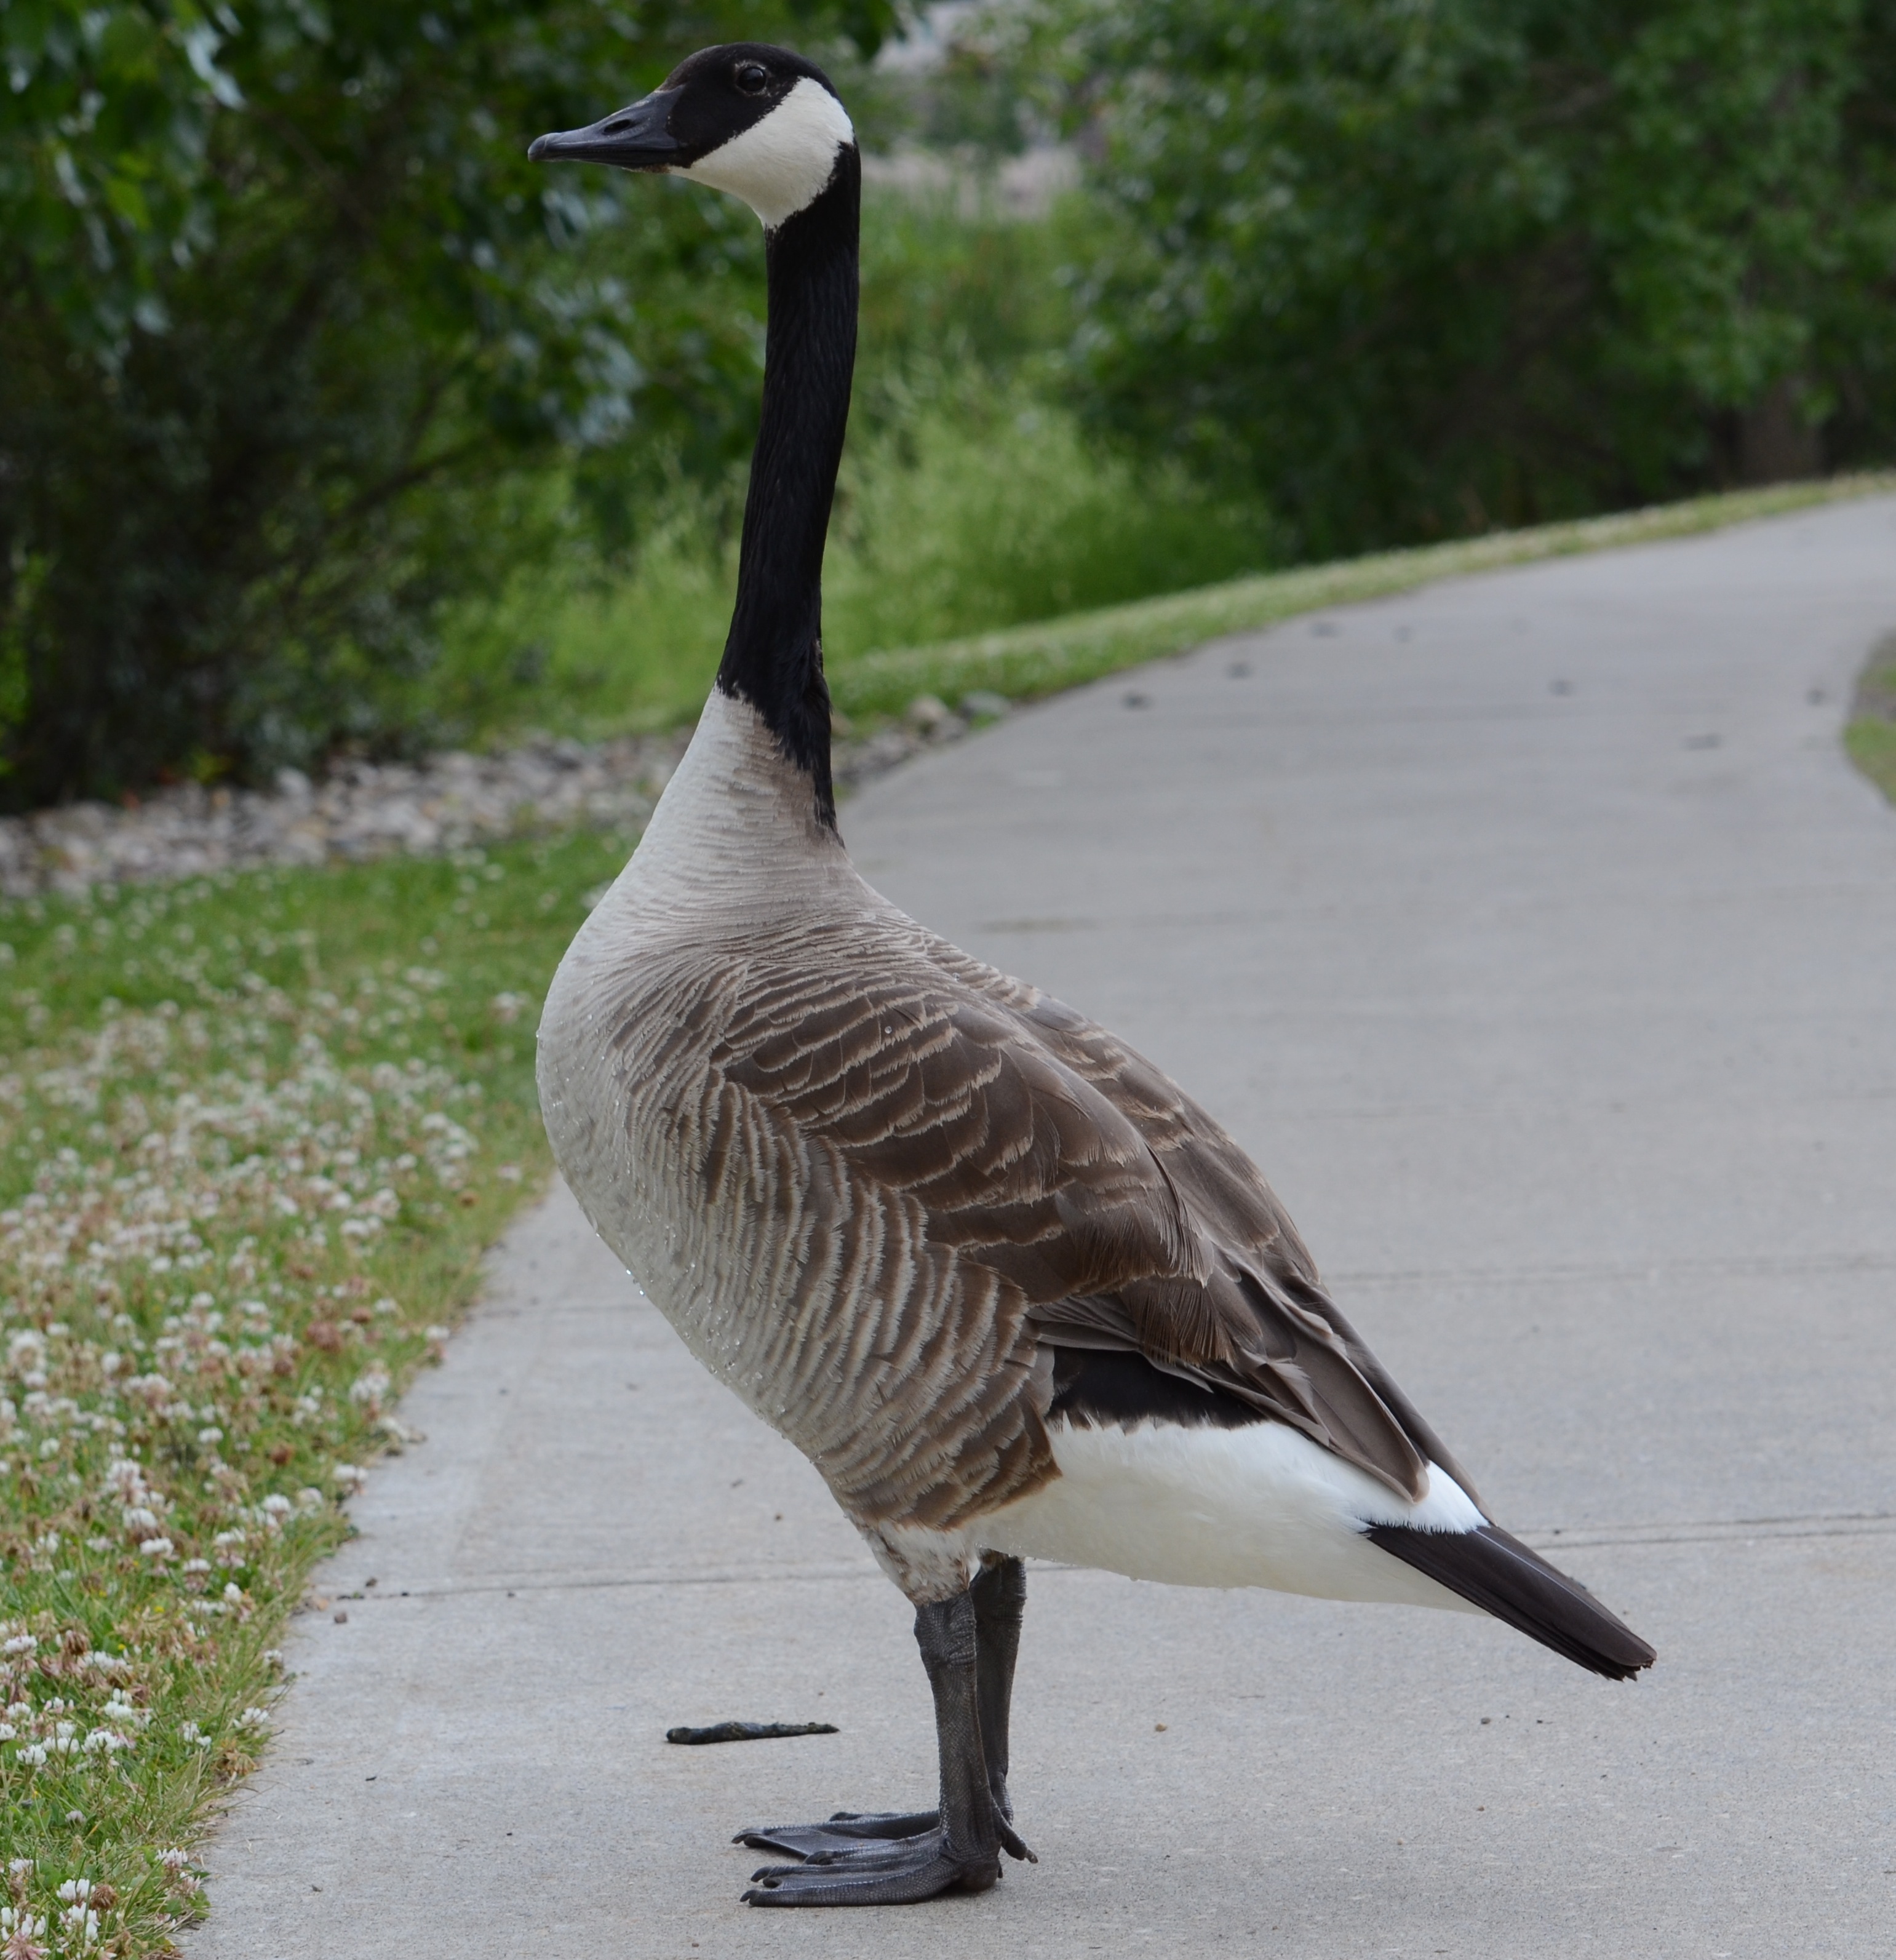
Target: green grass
x,y
1032,660
1871,737
971,509
254,1135
981,544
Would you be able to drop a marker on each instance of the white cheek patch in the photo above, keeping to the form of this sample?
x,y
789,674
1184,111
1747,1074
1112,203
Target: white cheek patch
x,y
781,164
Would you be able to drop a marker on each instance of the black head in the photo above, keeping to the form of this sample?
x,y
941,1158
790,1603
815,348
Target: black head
x,y
758,122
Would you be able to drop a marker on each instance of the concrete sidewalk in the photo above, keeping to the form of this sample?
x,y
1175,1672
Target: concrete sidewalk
x,y
1535,935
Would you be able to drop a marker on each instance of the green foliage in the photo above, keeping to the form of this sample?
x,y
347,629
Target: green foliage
x,y
970,500
986,506
949,283
974,505
1418,269
285,309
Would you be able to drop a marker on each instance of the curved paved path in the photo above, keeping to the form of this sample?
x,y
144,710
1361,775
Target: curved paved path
x,y
1533,933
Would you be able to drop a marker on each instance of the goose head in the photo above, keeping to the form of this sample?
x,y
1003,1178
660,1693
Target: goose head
x,y
758,121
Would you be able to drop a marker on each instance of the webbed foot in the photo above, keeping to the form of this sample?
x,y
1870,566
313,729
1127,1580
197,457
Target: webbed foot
x,y
878,1871
847,1832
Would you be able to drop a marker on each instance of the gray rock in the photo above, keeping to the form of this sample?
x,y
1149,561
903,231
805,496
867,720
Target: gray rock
x,y
452,801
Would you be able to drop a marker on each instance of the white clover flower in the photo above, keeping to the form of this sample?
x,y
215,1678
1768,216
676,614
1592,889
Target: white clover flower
x,y
195,1565
350,1477
9,1732
157,1549
253,1718
277,1506
25,1348
75,1891
210,1437
33,1756
174,1860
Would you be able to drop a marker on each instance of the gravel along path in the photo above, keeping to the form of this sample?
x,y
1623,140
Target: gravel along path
x,y
448,802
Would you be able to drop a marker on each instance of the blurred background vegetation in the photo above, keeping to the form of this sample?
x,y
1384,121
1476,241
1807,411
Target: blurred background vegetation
x,y
328,424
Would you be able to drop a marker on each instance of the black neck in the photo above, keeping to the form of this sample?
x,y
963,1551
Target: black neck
x,y
773,656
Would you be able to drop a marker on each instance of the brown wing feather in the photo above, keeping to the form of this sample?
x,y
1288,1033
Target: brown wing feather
x,y
1066,1191
1228,1197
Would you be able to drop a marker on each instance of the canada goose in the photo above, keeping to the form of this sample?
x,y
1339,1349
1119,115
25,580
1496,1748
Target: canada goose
x,y
1010,1291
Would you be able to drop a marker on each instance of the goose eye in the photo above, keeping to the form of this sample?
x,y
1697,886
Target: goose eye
x,y
751,77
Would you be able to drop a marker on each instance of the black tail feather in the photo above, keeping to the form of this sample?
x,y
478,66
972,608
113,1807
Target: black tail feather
x,y
1500,1574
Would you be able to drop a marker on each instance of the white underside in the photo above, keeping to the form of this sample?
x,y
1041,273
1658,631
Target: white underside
x,y
1199,1505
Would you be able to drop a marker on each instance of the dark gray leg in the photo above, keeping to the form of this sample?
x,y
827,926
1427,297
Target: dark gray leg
x,y
893,1860
999,1594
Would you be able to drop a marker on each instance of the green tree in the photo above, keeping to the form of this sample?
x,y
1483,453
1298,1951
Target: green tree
x,y
286,321
1418,267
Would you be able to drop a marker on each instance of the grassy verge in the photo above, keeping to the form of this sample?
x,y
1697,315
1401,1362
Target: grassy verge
x,y
983,546
1027,661
1871,737
254,1134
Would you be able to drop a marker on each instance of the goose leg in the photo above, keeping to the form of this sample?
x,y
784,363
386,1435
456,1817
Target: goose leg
x,y
999,1594
957,1847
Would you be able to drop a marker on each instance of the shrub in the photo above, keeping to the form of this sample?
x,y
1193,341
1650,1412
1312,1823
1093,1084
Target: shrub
x,y
1412,269
283,309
